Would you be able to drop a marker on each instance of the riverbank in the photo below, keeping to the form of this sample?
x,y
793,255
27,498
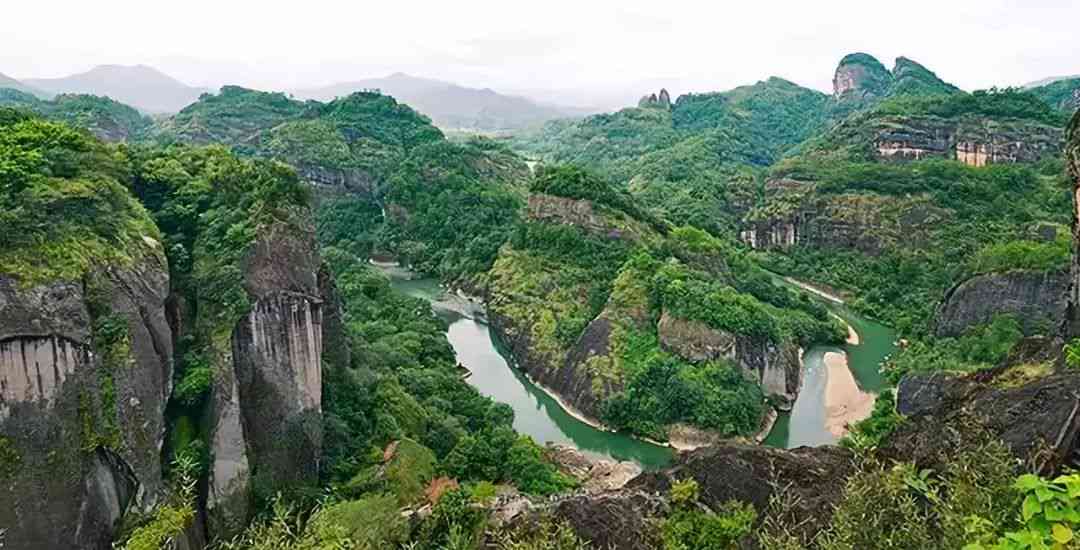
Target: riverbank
x,y
845,402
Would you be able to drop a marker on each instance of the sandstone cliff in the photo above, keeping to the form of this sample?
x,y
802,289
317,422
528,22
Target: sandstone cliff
x,y
266,412
1037,299
85,372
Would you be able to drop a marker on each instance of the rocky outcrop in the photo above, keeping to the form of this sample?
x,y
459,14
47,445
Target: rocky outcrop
x,y
973,140
595,475
336,179
267,397
812,478
613,520
85,372
1037,299
578,213
661,100
1071,328
860,76
1039,421
775,367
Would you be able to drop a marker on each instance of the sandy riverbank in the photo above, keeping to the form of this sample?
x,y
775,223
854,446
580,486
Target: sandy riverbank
x,y
845,403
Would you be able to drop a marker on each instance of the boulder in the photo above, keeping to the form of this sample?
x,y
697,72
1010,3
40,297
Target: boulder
x,y
1038,300
813,477
1037,420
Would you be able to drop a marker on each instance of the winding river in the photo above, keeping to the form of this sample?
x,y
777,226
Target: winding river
x,y
539,415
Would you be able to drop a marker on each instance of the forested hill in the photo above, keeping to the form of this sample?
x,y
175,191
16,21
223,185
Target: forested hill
x,y
389,179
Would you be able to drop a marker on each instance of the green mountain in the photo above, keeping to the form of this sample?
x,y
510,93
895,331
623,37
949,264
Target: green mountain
x,y
1062,94
140,86
107,119
449,105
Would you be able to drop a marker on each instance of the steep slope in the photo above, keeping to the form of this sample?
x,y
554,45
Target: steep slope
x,y
86,360
939,189
145,88
449,105
108,120
1062,94
599,303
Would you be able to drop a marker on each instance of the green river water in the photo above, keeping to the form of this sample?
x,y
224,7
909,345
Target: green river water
x,y
539,415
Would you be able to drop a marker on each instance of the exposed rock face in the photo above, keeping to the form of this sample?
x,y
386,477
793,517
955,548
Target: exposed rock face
x,y
775,367
579,213
976,141
613,520
1072,160
661,100
860,76
573,382
753,474
85,372
1038,421
266,419
693,340
353,181
595,475
1037,299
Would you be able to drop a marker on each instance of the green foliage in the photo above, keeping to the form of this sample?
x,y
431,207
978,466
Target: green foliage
x,y
454,524
980,347
168,520
1050,513
500,455
62,203
663,389
109,119
1005,103
691,528
868,434
685,493
10,460
548,535
1061,95
929,223
902,506
1025,254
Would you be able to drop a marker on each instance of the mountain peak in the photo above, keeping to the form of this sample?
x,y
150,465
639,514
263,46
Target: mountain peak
x,y
860,75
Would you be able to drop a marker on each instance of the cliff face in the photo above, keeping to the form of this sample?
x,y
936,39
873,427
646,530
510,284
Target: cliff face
x,y
1072,160
581,213
976,141
1037,299
266,418
860,76
775,367
85,373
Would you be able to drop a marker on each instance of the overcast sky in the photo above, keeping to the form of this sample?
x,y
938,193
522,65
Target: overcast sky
x,y
595,46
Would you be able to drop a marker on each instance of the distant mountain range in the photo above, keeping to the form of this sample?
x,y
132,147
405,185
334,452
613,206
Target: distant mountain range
x,y
450,105
8,82
140,86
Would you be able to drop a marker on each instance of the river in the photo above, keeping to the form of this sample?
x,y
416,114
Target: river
x,y
540,416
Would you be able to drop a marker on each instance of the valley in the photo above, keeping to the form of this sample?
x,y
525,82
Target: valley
x,y
765,317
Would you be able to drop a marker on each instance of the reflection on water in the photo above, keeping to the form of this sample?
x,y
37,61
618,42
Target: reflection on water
x,y
806,423
535,412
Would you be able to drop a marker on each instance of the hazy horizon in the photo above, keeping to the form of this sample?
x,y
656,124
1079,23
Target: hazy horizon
x,y
573,53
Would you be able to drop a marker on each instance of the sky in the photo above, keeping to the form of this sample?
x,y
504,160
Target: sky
x,y
572,51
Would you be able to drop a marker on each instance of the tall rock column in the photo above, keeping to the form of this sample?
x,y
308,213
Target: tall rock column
x,y
266,424
1072,161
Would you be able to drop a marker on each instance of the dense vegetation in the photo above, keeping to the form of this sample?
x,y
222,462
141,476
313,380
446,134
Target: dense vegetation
x,y
556,278
108,119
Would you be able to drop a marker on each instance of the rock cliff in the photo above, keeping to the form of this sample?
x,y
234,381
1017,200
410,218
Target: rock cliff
x,y
1037,420
776,368
1037,299
266,413
85,372
860,76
